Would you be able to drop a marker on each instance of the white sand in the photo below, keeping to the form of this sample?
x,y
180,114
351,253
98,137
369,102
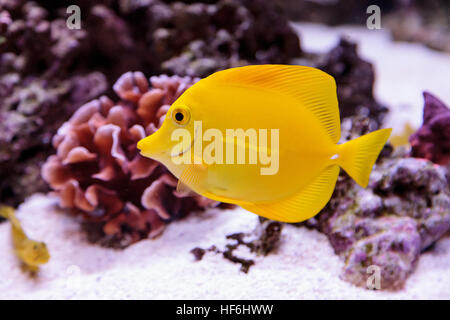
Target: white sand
x,y
305,266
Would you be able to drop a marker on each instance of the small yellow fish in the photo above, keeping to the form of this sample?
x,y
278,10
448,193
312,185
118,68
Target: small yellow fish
x,y
402,138
32,253
262,137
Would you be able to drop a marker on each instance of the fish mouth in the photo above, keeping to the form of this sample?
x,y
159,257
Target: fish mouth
x,y
188,147
41,258
146,148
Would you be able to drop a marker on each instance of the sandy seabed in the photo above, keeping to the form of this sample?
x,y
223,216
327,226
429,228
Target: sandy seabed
x,y
304,267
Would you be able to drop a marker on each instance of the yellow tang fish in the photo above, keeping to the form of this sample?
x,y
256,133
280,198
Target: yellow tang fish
x,y
32,253
262,137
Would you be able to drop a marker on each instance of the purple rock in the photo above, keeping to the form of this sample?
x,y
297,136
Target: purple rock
x,y
432,140
405,209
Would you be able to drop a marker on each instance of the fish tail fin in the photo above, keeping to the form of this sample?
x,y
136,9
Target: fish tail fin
x,y
6,212
358,156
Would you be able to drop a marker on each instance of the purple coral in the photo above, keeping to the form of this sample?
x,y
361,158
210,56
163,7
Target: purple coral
x,y
432,140
97,170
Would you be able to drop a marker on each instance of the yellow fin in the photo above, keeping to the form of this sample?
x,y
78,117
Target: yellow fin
x,y
358,156
303,205
225,199
191,177
6,212
314,89
182,188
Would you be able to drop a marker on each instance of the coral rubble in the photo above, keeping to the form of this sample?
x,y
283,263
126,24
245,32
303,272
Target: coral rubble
x,y
432,140
263,241
97,170
403,212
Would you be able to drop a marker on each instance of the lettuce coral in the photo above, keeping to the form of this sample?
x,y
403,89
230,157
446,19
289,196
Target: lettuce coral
x,y
97,170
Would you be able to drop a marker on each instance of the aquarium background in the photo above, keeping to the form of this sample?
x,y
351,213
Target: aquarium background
x,y
75,99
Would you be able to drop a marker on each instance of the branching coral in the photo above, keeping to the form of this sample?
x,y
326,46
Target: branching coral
x,y
98,171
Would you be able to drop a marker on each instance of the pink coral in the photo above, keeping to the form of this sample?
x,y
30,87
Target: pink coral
x,y
98,171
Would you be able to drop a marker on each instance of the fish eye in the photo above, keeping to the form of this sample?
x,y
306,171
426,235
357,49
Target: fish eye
x,y
180,116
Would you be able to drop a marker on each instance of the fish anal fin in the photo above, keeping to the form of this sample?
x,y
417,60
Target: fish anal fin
x,y
303,205
225,199
312,88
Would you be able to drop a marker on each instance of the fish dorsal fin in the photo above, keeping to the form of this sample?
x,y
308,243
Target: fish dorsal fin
x,y
302,206
314,89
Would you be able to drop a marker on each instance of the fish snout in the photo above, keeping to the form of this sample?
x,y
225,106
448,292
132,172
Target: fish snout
x,y
149,147
144,145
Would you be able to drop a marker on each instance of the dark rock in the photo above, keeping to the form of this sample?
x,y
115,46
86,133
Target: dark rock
x,y
355,79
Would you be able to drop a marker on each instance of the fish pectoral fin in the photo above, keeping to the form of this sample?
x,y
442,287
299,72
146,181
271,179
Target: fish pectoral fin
x,y
303,205
191,177
182,188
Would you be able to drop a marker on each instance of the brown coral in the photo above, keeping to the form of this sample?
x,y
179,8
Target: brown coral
x,y
98,171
